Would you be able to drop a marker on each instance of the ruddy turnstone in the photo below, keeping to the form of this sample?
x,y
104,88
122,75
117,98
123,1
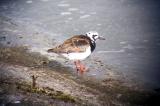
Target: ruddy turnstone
x,y
78,48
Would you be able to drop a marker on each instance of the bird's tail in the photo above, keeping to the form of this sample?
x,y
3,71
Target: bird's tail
x,y
50,50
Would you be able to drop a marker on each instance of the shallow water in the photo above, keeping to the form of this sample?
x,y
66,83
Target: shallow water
x,y
131,28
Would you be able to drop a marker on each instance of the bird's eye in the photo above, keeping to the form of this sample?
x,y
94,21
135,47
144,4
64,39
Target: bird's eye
x,y
94,35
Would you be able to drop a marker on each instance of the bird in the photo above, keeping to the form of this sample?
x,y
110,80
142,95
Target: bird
x,y
78,48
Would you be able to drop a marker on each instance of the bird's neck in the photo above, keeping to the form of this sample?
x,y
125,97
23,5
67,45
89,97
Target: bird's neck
x,y
93,45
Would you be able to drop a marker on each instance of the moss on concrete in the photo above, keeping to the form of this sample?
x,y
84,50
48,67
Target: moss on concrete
x,y
20,55
27,88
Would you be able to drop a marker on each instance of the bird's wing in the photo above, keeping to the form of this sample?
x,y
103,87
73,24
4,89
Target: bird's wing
x,y
77,43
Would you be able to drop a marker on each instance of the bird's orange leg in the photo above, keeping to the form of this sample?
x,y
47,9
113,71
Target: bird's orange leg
x,y
77,65
80,67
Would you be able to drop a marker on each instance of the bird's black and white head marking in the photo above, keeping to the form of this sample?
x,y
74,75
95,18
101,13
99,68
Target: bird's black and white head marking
x,y
93,35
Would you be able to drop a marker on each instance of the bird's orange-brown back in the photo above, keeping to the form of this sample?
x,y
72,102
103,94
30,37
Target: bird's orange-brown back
x,y
77,43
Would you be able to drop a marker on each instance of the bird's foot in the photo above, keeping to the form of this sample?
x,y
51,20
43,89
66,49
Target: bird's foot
x,y
80,67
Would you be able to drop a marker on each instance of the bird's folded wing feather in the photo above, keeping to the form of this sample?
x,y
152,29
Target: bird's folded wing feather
x,y
77,43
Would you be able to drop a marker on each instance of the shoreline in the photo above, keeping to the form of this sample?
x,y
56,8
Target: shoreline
x,y
19,65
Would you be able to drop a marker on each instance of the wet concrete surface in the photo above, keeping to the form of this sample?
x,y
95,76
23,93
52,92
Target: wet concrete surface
x,y
31,79
131,29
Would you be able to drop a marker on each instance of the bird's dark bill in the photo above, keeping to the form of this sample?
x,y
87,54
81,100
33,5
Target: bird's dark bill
x,y
101,38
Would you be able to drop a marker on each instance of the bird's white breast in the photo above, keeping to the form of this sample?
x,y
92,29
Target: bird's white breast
x,y
78,56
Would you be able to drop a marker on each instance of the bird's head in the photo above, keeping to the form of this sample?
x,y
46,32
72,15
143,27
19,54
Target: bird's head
x,y
93,35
